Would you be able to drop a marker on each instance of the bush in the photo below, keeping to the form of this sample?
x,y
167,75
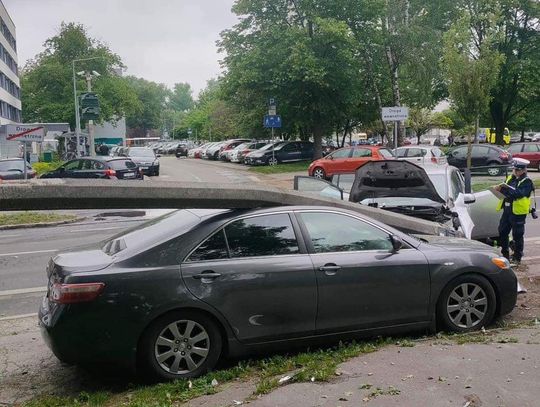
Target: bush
x,y
42,168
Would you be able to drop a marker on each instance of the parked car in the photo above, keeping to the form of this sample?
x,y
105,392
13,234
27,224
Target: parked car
x,y
227,147
433,192
422,155
239,153
181,150
145,158
99,167
212,152
528,151
197,152
13,169
180,292
114,151
283,152
347,160
249,158
485,158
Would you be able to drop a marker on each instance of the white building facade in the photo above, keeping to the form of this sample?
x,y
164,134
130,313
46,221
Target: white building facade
x,y
10,93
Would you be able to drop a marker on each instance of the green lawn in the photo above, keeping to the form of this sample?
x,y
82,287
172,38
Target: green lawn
x,y
481,186
282,168
21,218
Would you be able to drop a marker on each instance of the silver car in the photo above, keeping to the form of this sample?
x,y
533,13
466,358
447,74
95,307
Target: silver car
x,y
422,155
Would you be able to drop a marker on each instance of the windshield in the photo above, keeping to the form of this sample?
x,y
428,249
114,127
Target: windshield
x,y
141,152
440,183
387,154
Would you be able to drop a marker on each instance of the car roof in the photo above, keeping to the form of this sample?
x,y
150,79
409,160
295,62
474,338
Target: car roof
x,y
11,159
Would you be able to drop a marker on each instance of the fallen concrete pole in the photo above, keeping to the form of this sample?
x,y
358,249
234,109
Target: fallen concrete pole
x,y
111,194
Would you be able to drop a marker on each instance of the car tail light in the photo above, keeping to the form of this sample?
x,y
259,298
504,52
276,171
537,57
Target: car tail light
x,y
434,160
110,173
75,293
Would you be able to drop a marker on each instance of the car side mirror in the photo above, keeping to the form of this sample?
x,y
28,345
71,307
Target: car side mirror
x,y
397,243
158,155
469,198
330,157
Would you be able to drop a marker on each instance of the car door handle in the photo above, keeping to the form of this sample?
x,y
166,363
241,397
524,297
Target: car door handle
x,y
330,269
206,275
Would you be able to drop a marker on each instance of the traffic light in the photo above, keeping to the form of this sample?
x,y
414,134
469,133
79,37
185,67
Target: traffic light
x,y
89,104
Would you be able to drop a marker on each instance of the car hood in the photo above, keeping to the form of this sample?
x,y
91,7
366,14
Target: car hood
x,y
392,178
455,244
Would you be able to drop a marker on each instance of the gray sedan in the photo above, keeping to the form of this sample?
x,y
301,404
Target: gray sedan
x,y
175,295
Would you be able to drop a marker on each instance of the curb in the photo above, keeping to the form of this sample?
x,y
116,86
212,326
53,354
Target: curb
x,y
40,224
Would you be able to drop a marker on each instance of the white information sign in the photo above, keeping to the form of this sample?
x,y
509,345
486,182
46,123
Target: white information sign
x,y
25,132
395,114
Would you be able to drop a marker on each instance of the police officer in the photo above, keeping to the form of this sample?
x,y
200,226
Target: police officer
x,y
515,205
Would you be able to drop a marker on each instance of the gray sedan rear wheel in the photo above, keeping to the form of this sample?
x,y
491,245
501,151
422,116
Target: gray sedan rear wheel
x,y
180,345
467,304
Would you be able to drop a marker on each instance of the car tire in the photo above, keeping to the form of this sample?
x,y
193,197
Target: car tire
x,y
494,170
166,353
319,172
466,304
272,161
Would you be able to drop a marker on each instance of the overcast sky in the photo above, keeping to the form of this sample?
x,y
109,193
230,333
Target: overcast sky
x,y
166,41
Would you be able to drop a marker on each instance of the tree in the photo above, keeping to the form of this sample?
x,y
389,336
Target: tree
x,y
470,72
153,98
423,120
513,28
47,86
181,99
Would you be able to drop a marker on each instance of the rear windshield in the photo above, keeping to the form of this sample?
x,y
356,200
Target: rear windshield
x,y
11,165
122,164
153,232
141,152
386,153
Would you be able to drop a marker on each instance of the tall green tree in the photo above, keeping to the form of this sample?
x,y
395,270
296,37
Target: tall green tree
x,y
283,49
513,27
154,98
47,84
181,99
470,72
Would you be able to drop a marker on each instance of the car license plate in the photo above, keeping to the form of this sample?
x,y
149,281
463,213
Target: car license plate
x,y
129,175
144,168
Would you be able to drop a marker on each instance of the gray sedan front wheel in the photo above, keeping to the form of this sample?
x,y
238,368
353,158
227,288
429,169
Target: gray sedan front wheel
x,y
467,304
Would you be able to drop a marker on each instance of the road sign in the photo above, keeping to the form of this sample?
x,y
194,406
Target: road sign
x,y
272,111
272,122
395,114
25,132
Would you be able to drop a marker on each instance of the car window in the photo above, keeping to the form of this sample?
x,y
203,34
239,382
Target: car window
x,y
515,148
457,184
122,164
331,232
388,154
401,152
436,152
480,151
289,147
416,152
530,148
73,165
214,248
459,153
361,152
262,236
343,153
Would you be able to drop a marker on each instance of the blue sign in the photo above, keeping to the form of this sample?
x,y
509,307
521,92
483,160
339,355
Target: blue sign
x,y
272,122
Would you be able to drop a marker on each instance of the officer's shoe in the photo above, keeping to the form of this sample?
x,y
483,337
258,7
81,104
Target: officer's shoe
x,y
515,261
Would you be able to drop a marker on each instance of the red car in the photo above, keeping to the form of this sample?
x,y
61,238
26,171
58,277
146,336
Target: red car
x,y
528,151
347,160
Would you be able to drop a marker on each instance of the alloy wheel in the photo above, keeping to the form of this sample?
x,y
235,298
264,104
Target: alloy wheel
x,y
182,347
272,161
467,305
319,173
494,171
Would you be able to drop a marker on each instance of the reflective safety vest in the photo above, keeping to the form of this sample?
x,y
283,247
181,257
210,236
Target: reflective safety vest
x,y
520,206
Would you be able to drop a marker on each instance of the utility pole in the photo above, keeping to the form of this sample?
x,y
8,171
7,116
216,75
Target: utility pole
x,y
90,122
77,113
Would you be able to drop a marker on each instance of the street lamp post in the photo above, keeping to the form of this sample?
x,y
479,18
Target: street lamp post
x,y
77,113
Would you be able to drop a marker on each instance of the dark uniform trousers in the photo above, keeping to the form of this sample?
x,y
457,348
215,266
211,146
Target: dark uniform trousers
x,y
516,224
